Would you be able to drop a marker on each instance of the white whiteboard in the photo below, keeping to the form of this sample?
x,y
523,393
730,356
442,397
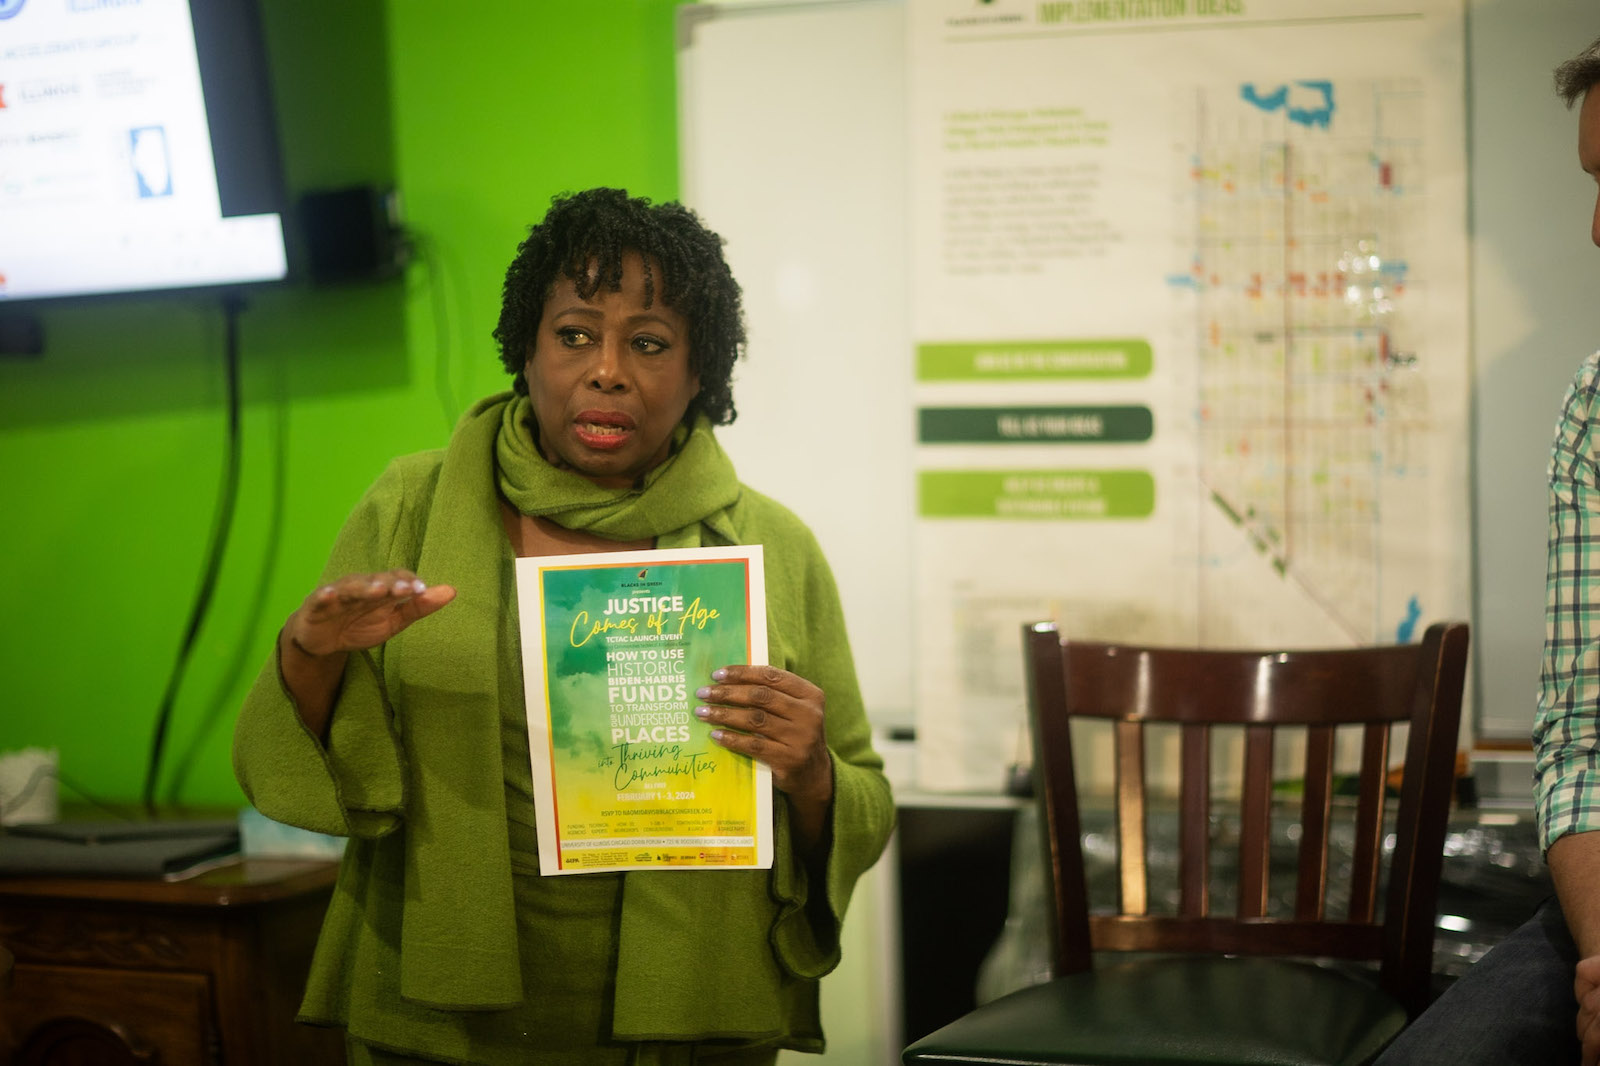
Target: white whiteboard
x,y
1534,319
791,126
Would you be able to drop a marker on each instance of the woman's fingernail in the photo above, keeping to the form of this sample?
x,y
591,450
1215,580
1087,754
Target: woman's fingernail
x,y
418,587
719,674
716,735
702,712
702,693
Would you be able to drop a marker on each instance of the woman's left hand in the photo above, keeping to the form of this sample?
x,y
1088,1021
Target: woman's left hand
x,y
776,717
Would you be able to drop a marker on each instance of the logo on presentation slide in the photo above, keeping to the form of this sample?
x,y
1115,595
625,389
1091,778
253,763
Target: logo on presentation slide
x,y
152,170
9,8
2,96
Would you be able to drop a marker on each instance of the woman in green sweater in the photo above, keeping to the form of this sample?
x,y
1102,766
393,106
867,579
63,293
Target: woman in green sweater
x,y
393,712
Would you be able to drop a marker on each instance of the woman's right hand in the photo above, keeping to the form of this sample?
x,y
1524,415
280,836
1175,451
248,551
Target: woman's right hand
x,y
360,611
353,613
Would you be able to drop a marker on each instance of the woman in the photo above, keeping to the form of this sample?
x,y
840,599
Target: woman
x,y
394,710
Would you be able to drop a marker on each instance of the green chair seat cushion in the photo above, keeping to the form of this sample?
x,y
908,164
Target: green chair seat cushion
x,y
1246,1011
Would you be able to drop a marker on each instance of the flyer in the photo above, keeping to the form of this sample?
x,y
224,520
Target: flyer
x,y
614,645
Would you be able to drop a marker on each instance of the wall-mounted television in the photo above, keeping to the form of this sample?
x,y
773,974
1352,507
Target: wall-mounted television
x,y
138,150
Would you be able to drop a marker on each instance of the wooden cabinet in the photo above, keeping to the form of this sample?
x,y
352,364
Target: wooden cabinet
x,y
203,971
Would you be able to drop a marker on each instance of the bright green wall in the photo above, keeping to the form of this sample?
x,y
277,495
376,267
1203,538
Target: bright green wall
x,y
111,442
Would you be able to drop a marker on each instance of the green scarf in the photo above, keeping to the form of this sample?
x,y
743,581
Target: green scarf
x,y
458,942
696,484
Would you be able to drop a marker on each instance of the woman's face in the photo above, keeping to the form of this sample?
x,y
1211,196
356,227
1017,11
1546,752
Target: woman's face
x,y
609,378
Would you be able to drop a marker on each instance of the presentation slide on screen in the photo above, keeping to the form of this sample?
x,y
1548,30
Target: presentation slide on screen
x,y
106,176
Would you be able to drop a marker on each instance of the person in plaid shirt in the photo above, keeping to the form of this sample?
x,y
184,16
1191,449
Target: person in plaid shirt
x,y
1535,998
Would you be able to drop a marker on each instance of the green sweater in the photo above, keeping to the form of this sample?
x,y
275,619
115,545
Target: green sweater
x,y
422,930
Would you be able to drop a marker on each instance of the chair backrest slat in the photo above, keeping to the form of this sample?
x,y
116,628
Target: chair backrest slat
x,y
1333,940
1059,824
1132,855
1421,817
1316,805
1255,823
1317,691
1194,822
1367,853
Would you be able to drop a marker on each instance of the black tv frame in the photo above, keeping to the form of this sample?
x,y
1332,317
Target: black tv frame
x,y
236,86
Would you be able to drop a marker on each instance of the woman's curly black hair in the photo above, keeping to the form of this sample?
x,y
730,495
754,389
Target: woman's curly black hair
x,y
584,237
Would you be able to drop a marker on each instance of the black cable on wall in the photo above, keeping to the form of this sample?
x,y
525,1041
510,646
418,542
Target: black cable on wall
x,y
222,525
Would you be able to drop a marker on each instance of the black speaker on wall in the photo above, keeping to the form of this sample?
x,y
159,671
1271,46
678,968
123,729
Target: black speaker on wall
x,y
352,234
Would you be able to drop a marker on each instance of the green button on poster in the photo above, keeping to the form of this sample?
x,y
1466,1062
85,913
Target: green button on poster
x,y
1059,360
1034,425
1023,494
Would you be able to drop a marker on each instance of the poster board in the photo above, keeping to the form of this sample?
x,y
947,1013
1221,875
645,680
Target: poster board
x,y
1533,319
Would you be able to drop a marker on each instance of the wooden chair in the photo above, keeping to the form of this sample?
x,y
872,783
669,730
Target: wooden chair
x,y
8,963
1245,987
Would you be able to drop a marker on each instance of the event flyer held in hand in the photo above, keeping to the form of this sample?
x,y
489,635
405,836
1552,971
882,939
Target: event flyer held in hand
x,y
614,645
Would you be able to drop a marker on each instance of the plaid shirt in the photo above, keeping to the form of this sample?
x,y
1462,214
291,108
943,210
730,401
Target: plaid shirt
x,y
1566,733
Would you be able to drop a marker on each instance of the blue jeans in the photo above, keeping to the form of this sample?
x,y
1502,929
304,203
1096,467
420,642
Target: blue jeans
x,y
1514,1007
